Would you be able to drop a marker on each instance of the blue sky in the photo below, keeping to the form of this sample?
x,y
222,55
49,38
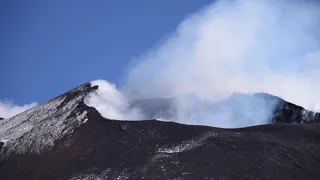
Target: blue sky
x,y
49,47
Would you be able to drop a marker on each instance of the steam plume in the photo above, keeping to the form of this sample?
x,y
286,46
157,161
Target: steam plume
x,y
245,46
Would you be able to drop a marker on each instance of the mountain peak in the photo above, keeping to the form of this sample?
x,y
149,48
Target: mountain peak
x,y
38,128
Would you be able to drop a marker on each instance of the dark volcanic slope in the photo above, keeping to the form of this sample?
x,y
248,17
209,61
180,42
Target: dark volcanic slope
x,y
91,147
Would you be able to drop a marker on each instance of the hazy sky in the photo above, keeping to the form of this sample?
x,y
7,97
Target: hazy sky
x,y
48,47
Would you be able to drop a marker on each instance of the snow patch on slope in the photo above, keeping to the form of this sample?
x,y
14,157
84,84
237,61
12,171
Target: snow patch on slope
x,y
187,145
106,174
308,115
17,126
111,103
8,109
37,129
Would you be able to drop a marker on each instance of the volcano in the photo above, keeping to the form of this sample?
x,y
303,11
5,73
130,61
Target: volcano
x,y
64,138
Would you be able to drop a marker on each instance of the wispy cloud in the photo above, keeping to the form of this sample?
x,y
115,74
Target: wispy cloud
x,y
9,109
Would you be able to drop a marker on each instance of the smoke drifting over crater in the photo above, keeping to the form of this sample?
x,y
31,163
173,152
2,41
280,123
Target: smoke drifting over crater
x,y
245,46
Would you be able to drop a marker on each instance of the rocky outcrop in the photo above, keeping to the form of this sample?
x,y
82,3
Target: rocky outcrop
x,y
287,112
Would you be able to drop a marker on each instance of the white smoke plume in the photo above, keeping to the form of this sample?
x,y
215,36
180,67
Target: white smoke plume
x,y
111,103
245,46
237,46
9,109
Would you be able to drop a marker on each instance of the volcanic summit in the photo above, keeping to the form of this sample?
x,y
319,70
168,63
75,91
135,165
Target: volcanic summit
x,y
64,138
